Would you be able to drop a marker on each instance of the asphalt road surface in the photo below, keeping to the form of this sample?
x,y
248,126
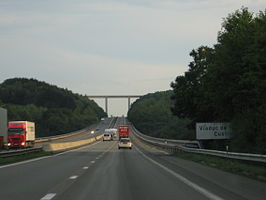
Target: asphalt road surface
x,y
102,172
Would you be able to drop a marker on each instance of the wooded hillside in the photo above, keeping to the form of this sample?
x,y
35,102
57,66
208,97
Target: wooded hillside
x,y
54,110
151,114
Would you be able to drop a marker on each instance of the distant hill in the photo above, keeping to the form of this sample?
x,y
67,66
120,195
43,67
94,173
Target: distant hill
x,y
151,114
53,109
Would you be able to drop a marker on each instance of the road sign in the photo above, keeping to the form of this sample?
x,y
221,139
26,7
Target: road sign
x,y
213,131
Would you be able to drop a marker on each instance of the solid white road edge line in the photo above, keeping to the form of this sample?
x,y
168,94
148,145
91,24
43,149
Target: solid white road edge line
x,y
35,159
48,196
196,187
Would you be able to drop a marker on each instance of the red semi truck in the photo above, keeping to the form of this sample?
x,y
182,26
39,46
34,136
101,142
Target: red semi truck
x,y
123,131
21,134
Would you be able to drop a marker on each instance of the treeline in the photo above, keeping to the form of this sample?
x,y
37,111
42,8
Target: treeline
x,y
227,83
151,114
54,110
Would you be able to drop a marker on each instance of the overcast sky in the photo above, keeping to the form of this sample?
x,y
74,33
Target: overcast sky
x,y
109,47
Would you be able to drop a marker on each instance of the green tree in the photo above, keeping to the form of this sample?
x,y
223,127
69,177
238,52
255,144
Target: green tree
x,y
189,90
228,82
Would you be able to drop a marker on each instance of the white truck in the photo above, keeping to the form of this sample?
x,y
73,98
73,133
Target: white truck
x,y
3,127
112,131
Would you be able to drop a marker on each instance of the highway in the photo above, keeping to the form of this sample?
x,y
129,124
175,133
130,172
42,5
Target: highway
x,y
99,129
102,172
65,139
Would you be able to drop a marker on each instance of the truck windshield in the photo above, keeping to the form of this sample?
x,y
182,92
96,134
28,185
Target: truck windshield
x,y
15,131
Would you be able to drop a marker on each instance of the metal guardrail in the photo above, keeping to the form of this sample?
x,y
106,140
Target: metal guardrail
x,y
168,141
177,145
19,152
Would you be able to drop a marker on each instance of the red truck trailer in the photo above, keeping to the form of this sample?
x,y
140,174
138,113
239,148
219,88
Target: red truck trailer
x,y
123,131
21,134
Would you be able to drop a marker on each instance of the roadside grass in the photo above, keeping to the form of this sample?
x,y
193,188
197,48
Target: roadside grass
x,y
254,171
19,158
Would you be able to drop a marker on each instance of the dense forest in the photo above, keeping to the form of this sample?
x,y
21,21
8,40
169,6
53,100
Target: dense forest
x,y
151,114
223,83
54,110
227,83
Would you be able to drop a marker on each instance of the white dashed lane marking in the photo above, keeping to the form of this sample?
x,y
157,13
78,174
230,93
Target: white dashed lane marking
x,y
73,177
48,196
85,167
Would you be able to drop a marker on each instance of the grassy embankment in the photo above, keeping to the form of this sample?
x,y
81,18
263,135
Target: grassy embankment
x,y
254,171
19,158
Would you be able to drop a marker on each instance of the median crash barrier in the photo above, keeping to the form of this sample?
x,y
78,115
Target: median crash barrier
x,y
63,146
62,136
19,152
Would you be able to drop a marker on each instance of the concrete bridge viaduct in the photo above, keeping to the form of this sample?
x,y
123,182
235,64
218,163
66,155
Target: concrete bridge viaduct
x,y
106,97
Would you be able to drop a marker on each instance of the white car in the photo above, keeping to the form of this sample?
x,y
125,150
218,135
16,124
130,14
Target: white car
x,y
107,137
125,143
